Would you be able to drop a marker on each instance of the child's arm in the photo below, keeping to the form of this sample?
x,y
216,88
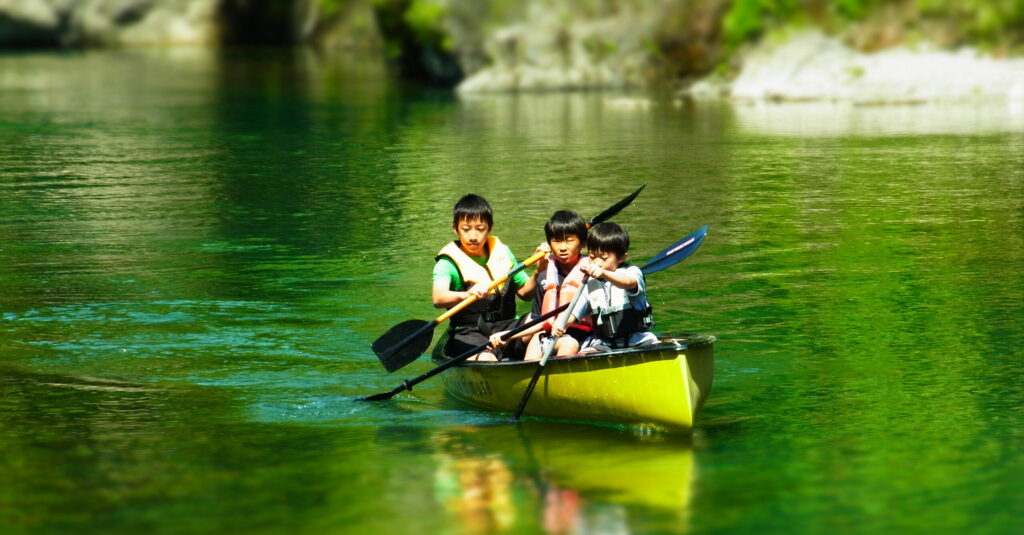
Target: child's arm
x,y
526,291
445,298
620,277
497,342
442,295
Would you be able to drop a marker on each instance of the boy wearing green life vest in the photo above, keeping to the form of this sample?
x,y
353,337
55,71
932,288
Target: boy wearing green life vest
x,y
467,267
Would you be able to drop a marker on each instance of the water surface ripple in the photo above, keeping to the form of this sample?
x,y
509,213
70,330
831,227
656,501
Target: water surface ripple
x,y
198,249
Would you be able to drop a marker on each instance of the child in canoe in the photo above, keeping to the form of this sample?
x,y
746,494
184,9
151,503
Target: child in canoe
x,y
559,277
616,298
466,267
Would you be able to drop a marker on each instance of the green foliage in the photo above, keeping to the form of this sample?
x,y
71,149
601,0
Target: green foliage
x,y
598,47
329,8
983,22
852,9
742,21
747,19
425,18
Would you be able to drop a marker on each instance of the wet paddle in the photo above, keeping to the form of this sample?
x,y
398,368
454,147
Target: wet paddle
x,y
406,341
667,258
408,384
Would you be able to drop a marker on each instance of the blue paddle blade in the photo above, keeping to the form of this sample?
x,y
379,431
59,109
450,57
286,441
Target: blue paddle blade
x,y
676,252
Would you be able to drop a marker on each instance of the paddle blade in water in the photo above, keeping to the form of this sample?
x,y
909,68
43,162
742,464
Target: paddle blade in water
x,y
403,343
379,397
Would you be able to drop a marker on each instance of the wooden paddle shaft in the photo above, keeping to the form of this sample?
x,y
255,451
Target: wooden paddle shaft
x,y
529,261
472,299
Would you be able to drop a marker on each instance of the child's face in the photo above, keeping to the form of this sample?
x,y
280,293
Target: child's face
x,y
566,248
607,261
473,234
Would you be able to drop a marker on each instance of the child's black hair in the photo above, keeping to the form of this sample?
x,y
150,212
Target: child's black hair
x,y
472,207
608,237
565,223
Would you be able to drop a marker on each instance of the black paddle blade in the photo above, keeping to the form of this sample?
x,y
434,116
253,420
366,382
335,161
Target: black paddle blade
x,y
403,343
382,396
407,385
616,208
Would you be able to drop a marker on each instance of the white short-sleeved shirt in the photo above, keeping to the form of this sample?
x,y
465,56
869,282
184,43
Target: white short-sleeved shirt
x,y
637,296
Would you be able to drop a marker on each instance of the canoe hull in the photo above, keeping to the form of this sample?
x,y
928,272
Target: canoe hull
x,y
663,387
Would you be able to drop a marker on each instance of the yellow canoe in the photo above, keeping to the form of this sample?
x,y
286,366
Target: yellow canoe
x,y
662,386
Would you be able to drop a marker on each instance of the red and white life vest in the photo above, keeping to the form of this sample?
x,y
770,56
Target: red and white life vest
x,y
556,295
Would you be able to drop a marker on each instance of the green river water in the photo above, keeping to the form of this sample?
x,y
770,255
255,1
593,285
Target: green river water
x,y
197,249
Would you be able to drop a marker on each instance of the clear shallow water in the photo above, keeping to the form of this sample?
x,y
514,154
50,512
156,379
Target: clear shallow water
x,y
197,250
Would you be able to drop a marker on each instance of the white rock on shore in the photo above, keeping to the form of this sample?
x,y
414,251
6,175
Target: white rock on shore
x,y
812,67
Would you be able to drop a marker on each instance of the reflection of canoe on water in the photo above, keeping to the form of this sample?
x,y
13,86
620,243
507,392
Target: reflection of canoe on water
x,y
601,464
662,386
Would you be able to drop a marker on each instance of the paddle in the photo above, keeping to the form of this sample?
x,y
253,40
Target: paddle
x,y
669,257
406,341
675,253
408,384
560,323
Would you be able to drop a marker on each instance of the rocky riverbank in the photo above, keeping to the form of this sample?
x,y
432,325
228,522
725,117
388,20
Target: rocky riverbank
x,y
548,45
809,66
126,23
53,23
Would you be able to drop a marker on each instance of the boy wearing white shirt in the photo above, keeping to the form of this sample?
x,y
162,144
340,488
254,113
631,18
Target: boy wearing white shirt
x,y
616,295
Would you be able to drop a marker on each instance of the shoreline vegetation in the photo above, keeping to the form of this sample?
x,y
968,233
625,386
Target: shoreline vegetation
x,y
862,52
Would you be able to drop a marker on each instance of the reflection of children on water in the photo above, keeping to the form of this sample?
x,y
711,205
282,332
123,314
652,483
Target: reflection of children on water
x,y
485,496
478,491
561,510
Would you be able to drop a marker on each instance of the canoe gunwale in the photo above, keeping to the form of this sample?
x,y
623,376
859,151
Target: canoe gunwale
x,y
678,343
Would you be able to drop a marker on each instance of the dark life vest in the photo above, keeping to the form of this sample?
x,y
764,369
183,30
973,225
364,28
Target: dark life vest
x,y
614,317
